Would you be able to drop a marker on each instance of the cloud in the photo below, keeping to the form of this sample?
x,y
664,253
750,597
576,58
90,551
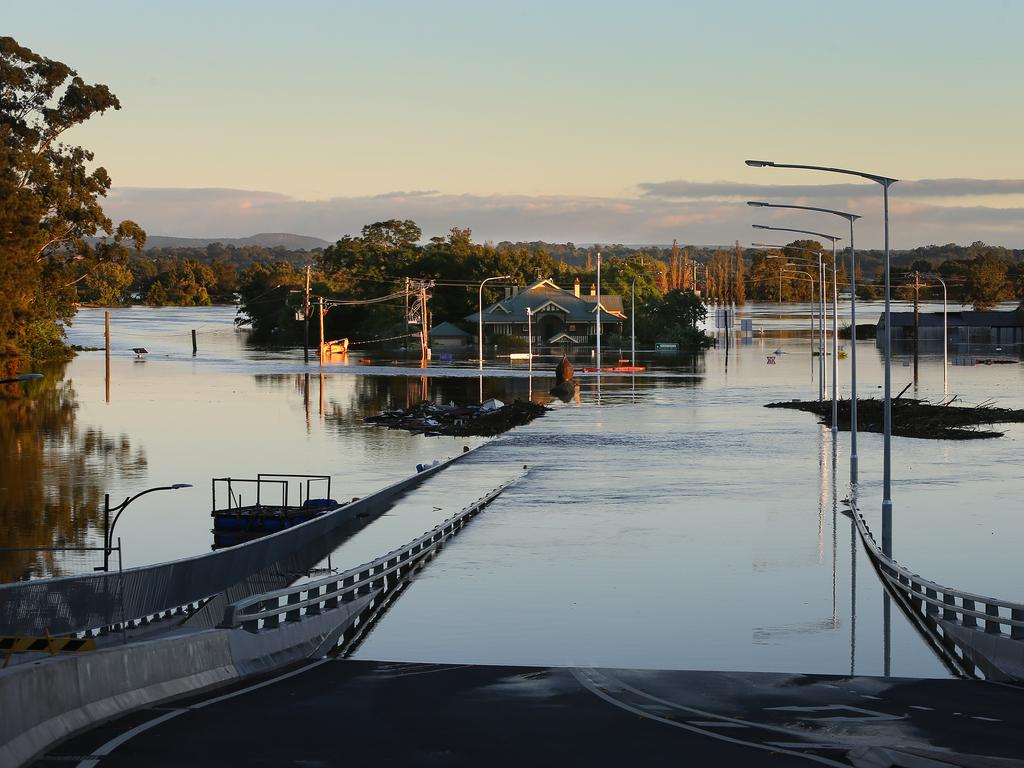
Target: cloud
x,y
693,212
921,188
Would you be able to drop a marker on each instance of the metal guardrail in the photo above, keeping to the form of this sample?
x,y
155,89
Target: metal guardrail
x,y
937,604
314,597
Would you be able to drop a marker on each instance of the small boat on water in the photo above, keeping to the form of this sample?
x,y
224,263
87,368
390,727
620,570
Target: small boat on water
x,y
274,509
617,369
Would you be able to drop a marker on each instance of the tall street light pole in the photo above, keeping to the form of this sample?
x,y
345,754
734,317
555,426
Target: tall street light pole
x,y
885,183
945,336
599,320
108,526
480,349
851,218
835,317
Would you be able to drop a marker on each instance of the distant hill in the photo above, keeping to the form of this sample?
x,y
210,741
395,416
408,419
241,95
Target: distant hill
x,y
263,240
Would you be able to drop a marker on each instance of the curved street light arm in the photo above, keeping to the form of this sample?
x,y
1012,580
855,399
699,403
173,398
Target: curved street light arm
x,y
848,216
885,181
832,238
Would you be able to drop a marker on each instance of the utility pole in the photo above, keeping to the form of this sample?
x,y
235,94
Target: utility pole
x,y
305,322
424,348
321,331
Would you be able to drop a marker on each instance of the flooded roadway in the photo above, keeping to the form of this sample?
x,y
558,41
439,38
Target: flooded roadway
x,y
666,521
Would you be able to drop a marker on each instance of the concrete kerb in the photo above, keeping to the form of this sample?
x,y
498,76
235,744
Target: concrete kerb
x,y
47,701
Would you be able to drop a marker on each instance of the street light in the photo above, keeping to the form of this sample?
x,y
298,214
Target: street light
x,y
481,316
835,317
813,313
885,182
851,218
945,335
108,526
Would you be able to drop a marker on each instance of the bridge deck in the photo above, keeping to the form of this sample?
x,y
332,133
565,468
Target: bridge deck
x,y
351,712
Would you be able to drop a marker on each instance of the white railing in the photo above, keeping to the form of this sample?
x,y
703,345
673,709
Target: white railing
x,y
938,604
312,598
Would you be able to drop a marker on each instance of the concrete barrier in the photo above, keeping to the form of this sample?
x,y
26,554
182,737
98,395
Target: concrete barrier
x,y
49,700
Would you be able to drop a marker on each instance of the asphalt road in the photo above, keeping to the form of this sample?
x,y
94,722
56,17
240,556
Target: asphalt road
x,y
335,713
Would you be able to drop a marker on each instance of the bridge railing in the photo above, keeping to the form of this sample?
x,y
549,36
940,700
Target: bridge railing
x,y
265,611
939,603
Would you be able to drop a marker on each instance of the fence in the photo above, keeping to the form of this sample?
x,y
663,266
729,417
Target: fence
x,y
974,632
75,604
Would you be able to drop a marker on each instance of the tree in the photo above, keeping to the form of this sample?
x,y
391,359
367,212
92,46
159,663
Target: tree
x,y
674,317
986,281
106,284
50,199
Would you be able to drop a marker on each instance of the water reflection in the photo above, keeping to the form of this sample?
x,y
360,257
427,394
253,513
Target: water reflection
x,y
52,475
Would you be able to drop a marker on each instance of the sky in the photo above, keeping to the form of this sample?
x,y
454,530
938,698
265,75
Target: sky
x,y
583,121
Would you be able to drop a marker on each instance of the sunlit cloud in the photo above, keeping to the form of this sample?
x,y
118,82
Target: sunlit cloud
x,y
692,212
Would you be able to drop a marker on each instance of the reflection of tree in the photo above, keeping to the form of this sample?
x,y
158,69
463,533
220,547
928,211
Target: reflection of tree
x,y
52,474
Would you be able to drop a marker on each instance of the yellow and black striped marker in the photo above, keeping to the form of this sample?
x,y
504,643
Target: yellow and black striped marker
x,y
18,644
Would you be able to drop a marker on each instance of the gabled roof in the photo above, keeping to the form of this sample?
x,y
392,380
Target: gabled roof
x,y
540,293
447,329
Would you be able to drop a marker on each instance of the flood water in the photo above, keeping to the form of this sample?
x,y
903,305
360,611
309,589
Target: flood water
x,y
665,519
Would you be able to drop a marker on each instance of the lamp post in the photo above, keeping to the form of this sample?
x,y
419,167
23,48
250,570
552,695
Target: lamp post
x,y
599,320
885,183
529,336
851,218
835,317
813,312
945,336
108,526
821,309
481,317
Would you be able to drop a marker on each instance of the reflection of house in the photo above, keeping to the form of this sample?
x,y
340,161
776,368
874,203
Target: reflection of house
x,y
448,336
975,327
559,316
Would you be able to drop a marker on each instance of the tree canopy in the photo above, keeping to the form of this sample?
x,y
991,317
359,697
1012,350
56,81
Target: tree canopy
x,y
49,202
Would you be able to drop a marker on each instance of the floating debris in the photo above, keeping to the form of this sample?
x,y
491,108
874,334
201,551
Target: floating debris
x,y
486,419
914,418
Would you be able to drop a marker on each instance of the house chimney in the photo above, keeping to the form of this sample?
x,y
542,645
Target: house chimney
x,y
576,288
593,290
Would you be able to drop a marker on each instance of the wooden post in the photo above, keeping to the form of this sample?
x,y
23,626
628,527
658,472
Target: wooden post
x,y
194,347
423,322
321,330
106,337
305,322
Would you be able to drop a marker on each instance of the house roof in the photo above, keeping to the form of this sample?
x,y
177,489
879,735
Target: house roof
x,y
448,330
539,295
992,319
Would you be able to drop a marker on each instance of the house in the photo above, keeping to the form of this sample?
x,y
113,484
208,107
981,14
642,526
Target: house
x,y
998,327
559,316
448,336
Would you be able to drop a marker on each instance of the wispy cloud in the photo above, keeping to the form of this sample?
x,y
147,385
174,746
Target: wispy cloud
x,y
693,212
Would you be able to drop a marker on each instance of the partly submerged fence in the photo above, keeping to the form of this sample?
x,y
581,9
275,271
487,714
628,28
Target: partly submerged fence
x,y
89,602
973,632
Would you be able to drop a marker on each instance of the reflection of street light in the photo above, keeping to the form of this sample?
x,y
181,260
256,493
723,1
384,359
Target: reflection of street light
x,y
109,526
885,183
22,377
851,218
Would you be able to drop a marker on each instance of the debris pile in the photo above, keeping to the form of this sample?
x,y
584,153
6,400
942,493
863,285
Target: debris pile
x,y
914,418
492,417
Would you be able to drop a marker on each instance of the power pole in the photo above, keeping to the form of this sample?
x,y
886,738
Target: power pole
x,y
321,331
424,348
305,322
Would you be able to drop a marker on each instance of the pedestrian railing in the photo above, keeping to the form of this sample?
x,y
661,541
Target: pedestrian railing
x,y
942,608
313,598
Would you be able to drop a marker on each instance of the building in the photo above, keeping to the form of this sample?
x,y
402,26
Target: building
x,y
559,316
448,336
998,327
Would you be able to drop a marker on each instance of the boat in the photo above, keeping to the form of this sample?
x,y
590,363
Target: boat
x,y
617,369
273,509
